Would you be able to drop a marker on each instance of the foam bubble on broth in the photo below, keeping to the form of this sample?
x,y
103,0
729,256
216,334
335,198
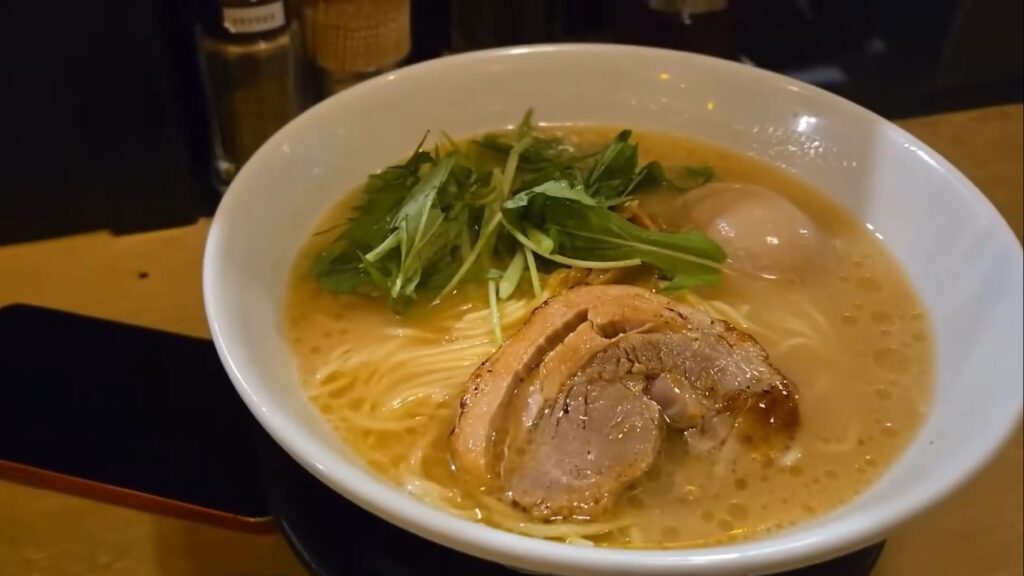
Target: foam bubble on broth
x,y
390,385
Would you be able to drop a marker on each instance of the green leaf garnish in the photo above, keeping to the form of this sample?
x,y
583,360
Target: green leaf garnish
x,y
480,214
553,189
684,178
584,232
610,177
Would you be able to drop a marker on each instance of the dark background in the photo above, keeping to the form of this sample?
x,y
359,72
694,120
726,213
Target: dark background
x,y
103,120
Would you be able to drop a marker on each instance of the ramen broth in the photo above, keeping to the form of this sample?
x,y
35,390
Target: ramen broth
x,y
852,337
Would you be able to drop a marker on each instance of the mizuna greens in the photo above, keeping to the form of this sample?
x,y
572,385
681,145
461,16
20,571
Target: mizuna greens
x,y
503,209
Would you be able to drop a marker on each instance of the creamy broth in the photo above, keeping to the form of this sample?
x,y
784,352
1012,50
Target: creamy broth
x,y
852,337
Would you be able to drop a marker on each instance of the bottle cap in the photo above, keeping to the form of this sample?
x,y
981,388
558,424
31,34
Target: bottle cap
x,y
244,18
354,37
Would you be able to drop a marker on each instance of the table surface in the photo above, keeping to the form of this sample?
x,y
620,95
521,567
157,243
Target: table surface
x,y
977,531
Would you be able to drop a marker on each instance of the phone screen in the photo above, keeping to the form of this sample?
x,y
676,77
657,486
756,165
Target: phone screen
x,y
134,415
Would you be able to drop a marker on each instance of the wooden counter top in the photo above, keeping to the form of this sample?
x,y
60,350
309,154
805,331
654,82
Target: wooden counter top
x,y
154,280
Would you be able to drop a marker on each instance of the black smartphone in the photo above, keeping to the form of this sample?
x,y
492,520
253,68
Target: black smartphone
x,y
126,414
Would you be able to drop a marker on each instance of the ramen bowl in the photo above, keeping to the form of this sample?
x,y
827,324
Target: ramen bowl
x,y
959,255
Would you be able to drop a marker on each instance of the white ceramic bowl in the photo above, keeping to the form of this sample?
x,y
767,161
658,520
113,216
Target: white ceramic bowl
x,y
960,255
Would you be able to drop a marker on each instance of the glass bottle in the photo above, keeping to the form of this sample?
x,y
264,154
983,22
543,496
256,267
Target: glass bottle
x,y
253,74
352,40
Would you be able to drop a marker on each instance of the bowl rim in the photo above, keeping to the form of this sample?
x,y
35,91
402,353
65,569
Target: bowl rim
x,y
358,484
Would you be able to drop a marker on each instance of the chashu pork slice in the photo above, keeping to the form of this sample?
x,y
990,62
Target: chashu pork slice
x,y
573,407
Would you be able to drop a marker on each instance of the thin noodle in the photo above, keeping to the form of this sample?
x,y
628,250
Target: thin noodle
x,y
419,381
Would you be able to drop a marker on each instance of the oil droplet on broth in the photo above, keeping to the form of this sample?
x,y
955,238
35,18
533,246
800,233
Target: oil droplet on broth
x,y
883,393
707,516
868,284
892,360
725,525
737,511
883,319
848,319
889,430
